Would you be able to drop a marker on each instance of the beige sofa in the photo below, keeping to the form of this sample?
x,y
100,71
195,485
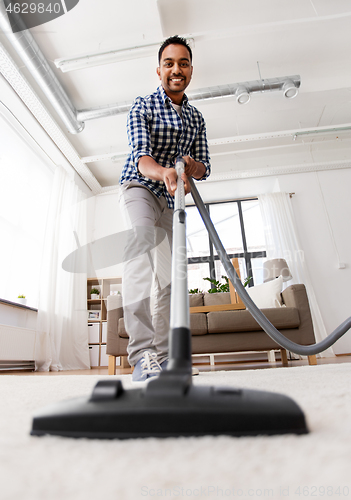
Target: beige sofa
x,y
228,330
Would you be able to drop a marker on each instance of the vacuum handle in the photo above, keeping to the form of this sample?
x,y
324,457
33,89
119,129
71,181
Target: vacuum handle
x,y
179,198
180,335
179,295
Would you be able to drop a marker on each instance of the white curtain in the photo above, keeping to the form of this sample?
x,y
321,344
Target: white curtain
x,y
282,242
26,178
62,330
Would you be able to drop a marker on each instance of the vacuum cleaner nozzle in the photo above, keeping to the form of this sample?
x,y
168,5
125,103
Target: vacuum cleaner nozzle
x,y
169,405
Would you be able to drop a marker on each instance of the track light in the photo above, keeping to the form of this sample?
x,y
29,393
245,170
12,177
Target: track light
x,y
242,95
101,58
290,90
110,56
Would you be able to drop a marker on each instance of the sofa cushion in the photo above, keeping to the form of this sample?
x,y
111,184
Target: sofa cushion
x,y
196,299
242,321
213,299
198,325
121,329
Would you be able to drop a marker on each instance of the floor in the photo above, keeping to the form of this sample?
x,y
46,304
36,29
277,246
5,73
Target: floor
x,y
222,362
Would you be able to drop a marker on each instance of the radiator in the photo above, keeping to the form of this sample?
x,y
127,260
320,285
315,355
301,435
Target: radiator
x,y
16,344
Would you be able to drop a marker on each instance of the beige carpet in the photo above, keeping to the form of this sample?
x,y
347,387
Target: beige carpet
x,y
316,465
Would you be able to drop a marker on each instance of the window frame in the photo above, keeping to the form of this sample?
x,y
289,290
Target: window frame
x,y
246,255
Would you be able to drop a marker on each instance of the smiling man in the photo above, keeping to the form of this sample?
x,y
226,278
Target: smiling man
x,y
175,71
161,127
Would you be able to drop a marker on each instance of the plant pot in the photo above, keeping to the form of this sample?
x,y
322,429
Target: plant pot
x,y
22,301
94,296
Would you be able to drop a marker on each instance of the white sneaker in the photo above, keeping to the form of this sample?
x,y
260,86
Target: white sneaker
x,y
146,367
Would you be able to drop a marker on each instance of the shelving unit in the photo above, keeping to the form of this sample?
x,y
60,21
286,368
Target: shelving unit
x,y
97,326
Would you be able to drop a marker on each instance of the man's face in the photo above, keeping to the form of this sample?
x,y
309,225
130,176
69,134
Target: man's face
x,y
175,71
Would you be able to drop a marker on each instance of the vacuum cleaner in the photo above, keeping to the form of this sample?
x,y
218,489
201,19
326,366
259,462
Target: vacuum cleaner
x,y
170,404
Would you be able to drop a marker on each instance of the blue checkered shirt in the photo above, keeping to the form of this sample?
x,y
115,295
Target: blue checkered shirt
x,y
155,129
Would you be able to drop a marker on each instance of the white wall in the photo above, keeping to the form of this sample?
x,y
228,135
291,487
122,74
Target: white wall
x,y
107,220
322,208
17,316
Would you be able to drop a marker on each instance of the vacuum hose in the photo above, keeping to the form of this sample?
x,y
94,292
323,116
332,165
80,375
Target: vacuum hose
x,y
266,325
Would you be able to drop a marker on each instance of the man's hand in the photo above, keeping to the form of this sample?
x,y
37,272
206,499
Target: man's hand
x,y
170,179
149,168
194,168
187,187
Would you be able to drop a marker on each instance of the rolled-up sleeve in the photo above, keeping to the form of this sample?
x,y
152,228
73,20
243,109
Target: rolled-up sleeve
x,y
138,128
200,151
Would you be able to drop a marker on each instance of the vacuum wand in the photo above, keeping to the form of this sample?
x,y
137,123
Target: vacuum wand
x,y
180,336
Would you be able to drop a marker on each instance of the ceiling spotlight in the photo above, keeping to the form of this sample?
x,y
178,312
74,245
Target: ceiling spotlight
x,y
290,90
242,95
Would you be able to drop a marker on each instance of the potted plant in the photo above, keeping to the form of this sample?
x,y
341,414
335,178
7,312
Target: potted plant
x,y
21,299
217,286
94,293
224,287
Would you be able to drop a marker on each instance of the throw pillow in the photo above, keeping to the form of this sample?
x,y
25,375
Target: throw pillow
x,y
267,294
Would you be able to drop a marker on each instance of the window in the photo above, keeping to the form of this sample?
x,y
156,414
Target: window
x,y
25,187
240,228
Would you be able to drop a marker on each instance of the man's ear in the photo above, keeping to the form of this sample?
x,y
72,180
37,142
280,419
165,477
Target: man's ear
x,y
158,72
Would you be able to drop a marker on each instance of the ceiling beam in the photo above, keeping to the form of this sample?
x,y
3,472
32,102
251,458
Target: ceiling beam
x,y
240,139
260,172
294,133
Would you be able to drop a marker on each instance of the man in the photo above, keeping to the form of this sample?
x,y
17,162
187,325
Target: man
x,y
161,127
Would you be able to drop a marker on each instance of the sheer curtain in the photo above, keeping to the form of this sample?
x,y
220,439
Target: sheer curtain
x,y
282,242
26,177
62,330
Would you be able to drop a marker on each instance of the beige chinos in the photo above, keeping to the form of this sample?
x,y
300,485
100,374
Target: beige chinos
x,y
147,274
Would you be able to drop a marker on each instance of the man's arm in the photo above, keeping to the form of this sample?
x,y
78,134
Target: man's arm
x,y
199,164
148,167
194,168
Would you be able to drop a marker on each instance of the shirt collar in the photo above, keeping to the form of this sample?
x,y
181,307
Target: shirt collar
x,y
165,99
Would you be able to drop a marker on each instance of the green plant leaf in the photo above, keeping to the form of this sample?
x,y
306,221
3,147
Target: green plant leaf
x,y
218,287
247,280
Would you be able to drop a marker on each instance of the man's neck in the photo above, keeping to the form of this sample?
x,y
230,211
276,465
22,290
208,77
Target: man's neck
x,y
176,97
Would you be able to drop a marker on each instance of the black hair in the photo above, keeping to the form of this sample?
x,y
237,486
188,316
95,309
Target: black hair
x,y
174,40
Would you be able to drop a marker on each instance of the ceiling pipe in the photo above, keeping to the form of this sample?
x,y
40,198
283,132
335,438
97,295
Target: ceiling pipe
x,y
220,91
26,47
266,85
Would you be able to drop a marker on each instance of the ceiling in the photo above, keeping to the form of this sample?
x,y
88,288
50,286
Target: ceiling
x,y
232,42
